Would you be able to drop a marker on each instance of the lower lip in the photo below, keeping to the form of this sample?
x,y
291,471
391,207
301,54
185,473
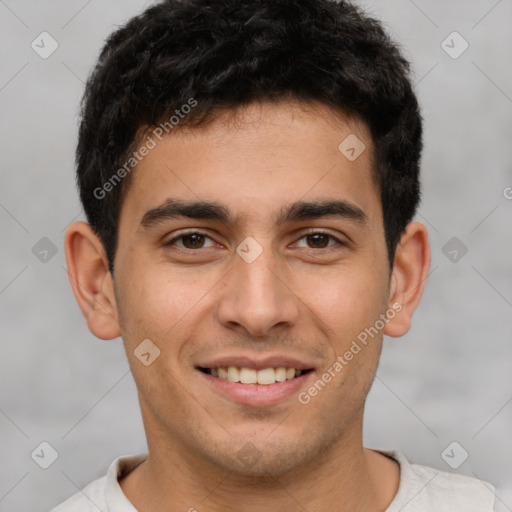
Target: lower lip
x,y
257,394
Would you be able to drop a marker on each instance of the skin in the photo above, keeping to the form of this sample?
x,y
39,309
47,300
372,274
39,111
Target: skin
x,y
302,297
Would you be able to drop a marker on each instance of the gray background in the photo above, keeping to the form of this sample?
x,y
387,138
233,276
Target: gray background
x,y
449,379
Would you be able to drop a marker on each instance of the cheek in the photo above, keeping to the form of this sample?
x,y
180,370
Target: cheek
x,y
346,302
153,306
153,301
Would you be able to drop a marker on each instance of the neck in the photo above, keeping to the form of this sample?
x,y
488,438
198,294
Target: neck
x,y
346,477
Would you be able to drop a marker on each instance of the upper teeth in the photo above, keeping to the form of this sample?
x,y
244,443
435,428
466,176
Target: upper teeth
x,y
251,376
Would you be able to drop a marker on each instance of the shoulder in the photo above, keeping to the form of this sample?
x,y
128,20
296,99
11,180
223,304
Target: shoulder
x,y
104,493
424,488
441,488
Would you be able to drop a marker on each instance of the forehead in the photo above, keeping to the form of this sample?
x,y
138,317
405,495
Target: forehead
x,y
258,159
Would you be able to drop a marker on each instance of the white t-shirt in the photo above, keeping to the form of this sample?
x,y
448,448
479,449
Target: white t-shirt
x,y
421,489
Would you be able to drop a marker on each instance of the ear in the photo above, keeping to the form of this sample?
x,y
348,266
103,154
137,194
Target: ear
x,y
91,280
410,271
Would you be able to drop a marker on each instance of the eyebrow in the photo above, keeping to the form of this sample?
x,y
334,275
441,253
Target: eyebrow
x,y
297,211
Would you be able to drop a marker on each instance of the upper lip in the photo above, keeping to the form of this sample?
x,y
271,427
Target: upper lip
x,y
256,363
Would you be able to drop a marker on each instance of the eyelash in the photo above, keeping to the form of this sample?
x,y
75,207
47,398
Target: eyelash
x,y
315,232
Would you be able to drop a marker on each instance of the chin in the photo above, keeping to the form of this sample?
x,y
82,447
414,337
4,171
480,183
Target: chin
x,y
262,459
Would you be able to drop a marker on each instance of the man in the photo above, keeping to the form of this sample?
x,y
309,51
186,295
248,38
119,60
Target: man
x,y
249,171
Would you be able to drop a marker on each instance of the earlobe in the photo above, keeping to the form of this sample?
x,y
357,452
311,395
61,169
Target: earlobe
x,y
410,271
91,281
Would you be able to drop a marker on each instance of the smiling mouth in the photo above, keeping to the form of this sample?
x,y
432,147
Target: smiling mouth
x,y
264,377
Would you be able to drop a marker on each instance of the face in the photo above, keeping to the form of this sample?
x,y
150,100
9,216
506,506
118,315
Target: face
x,y
254,244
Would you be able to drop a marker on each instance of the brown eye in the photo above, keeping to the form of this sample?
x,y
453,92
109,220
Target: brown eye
x,y
193,240
318,240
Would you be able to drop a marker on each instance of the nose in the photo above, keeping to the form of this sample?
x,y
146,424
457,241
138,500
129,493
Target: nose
x,y
257,296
